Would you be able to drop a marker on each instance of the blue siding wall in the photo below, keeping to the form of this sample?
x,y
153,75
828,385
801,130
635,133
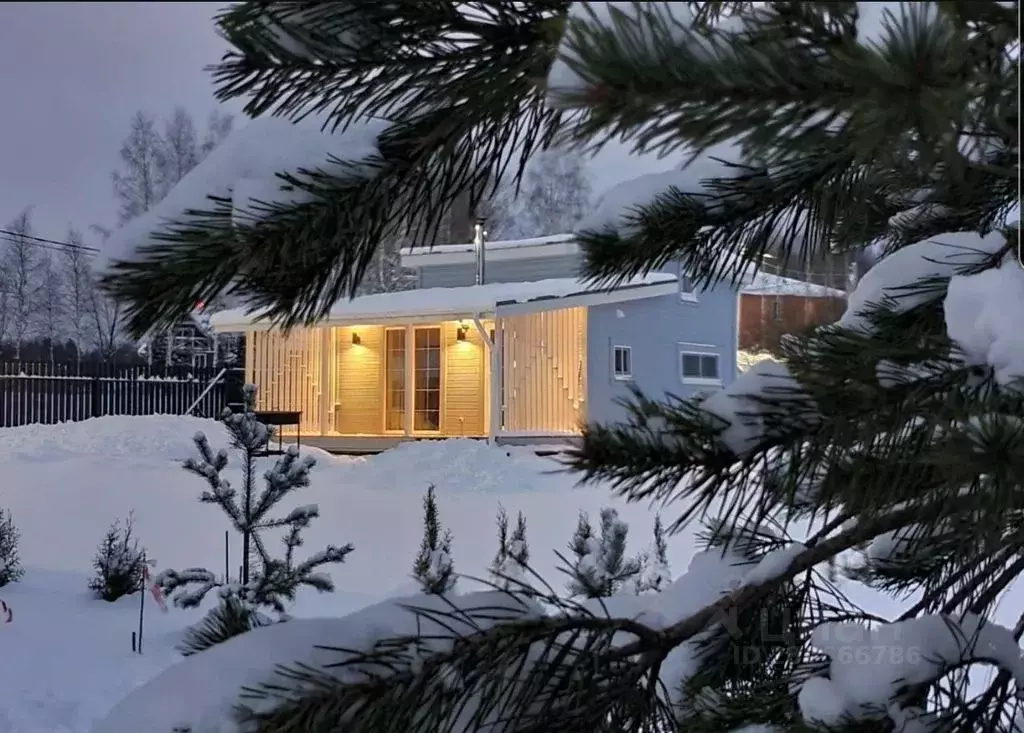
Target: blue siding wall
x,y
657,330
500,271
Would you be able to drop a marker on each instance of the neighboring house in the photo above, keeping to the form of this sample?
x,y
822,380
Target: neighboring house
x,y
528,356
771,306
190,343
831,269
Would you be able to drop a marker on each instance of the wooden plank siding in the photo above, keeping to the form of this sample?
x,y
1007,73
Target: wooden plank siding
x,y
545,369
463,383
358,395
287,371
543,390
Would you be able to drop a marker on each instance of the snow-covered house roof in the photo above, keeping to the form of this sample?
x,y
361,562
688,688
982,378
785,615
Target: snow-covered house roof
x,y
552,245
497,251
764,283
453,303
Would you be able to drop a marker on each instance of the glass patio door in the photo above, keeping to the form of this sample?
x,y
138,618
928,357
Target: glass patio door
x,y
394,376
426,416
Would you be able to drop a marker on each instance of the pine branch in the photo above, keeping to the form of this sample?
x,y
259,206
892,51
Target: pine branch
x,y
459,85
804,100
489,670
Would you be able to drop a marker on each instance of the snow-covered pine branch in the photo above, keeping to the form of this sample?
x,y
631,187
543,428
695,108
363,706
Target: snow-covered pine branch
x,y
187,588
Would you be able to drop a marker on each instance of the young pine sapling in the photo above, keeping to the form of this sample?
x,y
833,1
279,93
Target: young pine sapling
x,y
433,568
118,563
10,563
511,561
655,573
266,581
600,568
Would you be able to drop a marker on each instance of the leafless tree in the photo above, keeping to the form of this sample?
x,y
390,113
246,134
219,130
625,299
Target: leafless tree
x,y
218,127
500,214
5,299
79,291
554,196
137,183
20,264
49,306
105,312
152,163
557,192
178,150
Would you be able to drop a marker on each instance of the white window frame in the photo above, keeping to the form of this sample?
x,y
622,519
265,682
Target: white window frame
x,y
777,310
686,296
626,376
708,382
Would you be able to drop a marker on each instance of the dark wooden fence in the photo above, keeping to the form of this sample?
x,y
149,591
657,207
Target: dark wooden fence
x,y
44,392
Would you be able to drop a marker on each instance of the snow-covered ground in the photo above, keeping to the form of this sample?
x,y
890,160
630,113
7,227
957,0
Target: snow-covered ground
x,y
68,657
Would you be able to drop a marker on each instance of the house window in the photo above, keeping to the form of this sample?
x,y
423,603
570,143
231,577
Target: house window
x,y
687,291
199,360
394,374
622,362
777,310
426,414
699,368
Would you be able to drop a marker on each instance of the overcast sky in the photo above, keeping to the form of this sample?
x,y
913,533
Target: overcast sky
x,y
72,75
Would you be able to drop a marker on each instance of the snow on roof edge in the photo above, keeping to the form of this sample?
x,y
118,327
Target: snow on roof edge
x,y
766,283
496,244
442,302
762,283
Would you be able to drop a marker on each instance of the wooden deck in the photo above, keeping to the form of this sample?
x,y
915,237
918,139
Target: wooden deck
x,y
355,445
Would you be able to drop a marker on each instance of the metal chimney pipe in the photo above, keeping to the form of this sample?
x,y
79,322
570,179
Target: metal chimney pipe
x,y
479,240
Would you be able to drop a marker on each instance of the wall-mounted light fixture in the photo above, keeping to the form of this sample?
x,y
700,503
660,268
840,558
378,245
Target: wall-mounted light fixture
x,y
355,338
460,333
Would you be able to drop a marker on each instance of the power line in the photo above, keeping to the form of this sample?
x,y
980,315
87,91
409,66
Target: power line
x,y
44,241
49,247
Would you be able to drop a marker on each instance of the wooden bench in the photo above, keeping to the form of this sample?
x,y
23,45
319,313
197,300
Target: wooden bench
x,y
278,418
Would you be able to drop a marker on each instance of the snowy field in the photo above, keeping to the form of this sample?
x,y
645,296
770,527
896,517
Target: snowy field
x,y
68,657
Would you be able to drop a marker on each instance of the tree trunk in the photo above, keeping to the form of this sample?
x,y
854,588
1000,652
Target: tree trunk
x,y
245,557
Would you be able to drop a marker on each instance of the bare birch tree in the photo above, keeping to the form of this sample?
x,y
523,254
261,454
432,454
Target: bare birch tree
x,y
49,307
554,196
5,301
79,292
152,163
20,264
137,182
556,193
178,150
105,312
218,127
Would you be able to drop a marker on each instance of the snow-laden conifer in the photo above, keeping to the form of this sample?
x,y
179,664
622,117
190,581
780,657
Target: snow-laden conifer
x,y
268,581
118,563
511,561
434,568
599,567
